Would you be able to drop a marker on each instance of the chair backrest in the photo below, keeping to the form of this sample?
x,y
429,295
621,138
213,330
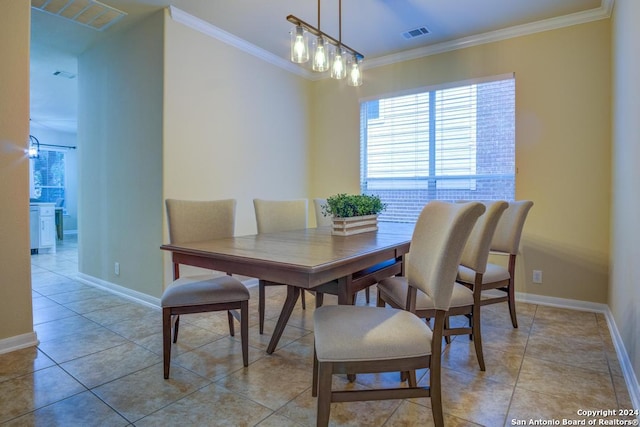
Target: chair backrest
x,y
280,215
321,220
507,235
438,239
476,252
197,221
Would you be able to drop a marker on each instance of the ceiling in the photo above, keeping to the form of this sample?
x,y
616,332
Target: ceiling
x,y
373,27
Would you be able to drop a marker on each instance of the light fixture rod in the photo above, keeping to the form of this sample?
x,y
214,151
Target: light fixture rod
x,y
316,32
340,21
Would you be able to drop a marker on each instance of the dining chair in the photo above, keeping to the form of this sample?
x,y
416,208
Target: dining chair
x,y
364,339
465,300
506,241
321,219
273,216
195,221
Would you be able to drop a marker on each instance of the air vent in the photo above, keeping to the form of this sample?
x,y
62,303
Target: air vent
x,y
65,74
416,32
90,13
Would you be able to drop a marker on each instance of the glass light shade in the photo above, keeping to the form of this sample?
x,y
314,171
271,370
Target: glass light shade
x,y
33,152
355,72
338,64
34,147
320,55
299,45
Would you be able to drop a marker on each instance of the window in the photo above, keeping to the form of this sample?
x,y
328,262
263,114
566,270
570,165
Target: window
x,y
48,176
453,143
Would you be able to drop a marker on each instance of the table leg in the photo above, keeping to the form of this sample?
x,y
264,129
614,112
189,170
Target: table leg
x,y
292,296
344,298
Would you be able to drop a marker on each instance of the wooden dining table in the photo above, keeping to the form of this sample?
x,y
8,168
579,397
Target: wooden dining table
x,y
311,259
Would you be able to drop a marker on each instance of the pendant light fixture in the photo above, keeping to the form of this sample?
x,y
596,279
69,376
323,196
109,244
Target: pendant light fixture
x,y
34,147
327,52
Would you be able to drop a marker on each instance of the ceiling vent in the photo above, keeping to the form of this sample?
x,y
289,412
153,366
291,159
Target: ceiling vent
x,y
416,32
65,74
90,13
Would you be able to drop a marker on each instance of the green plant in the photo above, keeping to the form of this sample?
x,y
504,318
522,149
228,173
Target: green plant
x,y
348,205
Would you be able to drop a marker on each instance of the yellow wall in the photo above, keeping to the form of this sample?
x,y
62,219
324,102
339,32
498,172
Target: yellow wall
x,y
563,154
624,292
235,126
16,320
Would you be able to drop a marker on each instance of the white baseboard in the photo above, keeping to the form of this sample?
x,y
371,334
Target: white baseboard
x,y
130,294
623,357
18,342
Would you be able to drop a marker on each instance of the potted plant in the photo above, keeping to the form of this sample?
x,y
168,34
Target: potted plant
x,y
353,213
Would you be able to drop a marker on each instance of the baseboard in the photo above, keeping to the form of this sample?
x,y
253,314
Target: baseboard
x,y
18,342
627,369
130,294
623,357
561,302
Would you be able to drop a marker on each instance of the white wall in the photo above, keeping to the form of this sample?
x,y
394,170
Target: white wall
x,y
624,290
120,158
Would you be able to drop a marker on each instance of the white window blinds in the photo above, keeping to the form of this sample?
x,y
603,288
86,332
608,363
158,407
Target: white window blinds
x,y
447,144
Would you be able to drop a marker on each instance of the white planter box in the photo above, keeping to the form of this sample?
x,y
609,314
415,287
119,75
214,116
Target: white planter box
x,y
354,225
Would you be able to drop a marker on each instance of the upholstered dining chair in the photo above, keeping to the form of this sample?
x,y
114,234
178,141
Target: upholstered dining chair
x,y
364,339
506,241
195,221
273,216
465,300
321,219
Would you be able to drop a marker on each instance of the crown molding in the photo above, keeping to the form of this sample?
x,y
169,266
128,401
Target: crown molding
x,y
603,12
211,30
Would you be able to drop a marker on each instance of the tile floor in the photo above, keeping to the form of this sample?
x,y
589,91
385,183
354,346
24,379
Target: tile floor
x,y
99,362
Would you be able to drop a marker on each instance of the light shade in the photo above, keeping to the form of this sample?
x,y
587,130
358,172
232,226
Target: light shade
x,y
34,147
299,45
354,77
320,55
338,64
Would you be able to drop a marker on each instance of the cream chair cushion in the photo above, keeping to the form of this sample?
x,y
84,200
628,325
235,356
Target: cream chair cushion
x,y
202,290
396,288
349,333
493,273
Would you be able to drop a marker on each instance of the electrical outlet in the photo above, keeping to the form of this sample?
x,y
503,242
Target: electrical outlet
x,y
116,268
537,276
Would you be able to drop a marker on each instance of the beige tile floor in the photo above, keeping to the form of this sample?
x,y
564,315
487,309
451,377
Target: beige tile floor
x,y
99,362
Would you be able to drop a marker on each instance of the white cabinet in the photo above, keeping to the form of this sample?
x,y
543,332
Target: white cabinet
x,y
43,227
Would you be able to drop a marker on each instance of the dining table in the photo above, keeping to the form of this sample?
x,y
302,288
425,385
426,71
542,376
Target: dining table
x,y
307,259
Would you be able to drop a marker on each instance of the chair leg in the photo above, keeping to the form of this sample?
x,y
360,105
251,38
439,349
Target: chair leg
x,y
367,295
511,290
447,338
232,331
303,300
512,304
261,305
176,324
166,340
314,382
244,331
477,337
324,394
